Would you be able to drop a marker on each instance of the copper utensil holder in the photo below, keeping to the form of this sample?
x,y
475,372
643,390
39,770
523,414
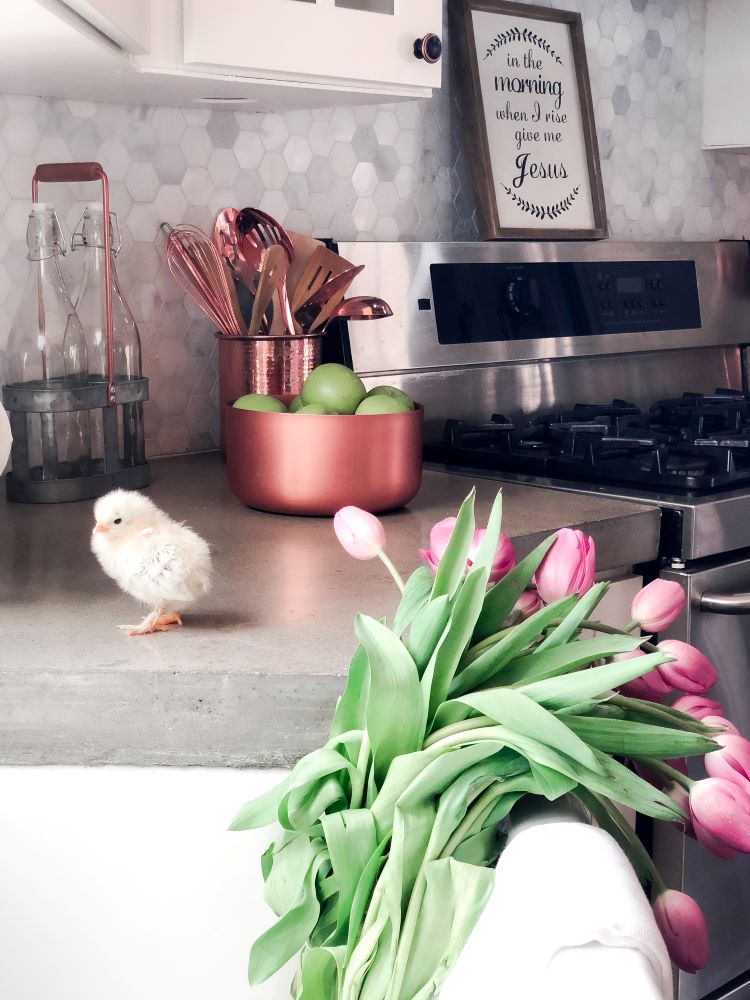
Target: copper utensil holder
x,y
276,366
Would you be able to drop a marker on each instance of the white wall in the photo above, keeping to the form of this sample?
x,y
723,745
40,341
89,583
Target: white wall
x,y
122,883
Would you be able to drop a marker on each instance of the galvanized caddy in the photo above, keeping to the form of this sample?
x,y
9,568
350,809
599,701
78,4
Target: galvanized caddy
x,y
50,483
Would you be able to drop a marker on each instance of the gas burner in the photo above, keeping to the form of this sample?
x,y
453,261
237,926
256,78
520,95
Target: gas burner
x,y
693,443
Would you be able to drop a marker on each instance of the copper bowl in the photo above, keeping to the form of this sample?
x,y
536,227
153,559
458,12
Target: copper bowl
x,y
315,463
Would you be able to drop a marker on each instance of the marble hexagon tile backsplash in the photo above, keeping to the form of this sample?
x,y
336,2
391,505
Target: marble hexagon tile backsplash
x,y
395,172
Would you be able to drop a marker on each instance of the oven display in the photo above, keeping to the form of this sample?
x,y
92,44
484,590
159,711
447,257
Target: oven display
x,y
630,286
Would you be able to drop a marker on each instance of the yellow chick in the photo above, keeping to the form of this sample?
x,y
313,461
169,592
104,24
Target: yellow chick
x,y
162,564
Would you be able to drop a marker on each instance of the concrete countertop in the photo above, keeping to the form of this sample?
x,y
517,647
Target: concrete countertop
x,y
253,675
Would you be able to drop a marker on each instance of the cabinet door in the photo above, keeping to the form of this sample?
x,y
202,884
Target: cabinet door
x,y
365,41
126,22
726,118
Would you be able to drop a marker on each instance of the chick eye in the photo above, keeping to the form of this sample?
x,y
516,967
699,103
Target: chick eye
x,y
118,520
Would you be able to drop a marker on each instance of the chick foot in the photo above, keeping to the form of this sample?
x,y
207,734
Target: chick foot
x,y
157,621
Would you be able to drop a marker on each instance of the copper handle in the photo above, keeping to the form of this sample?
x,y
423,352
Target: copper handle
x,y
56,173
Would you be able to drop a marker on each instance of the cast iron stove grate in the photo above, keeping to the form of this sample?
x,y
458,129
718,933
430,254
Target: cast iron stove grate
x,y
693,443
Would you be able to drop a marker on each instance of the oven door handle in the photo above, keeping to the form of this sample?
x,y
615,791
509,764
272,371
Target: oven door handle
x,y
726,604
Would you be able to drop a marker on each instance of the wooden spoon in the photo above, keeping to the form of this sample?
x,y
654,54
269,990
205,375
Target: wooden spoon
x,y
274,263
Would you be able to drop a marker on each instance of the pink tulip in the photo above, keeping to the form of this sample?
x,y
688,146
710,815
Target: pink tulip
x,y
689,671
657,605
719,722
720,811
697,707
360,533
503,561
683,927
649,687
731,761
528,603
568,567
681,797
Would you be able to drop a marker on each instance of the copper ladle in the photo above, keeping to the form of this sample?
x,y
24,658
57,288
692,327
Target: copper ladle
x,y
361,307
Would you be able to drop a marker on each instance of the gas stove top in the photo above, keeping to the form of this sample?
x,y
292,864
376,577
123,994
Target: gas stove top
x,y
694,443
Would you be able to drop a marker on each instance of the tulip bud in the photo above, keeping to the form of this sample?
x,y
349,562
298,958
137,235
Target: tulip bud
x,y
683,927
528,603
697,707
503,561
731,761
657,605
360,533
719,722
689,671
568,567
720,811
649,687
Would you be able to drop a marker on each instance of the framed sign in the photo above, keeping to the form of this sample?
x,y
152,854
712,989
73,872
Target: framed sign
x,y
528,121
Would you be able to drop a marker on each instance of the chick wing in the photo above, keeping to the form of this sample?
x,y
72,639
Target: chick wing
x,y
170,565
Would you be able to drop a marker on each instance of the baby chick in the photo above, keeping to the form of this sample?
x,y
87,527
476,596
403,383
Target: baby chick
x,y
159,562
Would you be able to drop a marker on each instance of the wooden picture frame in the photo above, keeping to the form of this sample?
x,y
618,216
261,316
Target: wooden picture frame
x,y
528,120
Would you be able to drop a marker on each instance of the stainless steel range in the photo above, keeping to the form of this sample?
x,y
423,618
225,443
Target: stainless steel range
x,y
609,368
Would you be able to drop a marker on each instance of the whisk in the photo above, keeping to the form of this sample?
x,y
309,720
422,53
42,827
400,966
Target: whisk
x,y
198,269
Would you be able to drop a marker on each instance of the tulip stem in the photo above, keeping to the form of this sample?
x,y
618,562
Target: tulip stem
x,y
392,570
457,727
611,819
631,625
475,652
480,808
666,771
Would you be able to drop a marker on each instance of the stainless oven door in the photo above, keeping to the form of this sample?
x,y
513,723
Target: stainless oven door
x,y
717,621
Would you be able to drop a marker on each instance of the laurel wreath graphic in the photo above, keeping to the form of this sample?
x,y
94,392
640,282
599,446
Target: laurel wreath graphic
x,y
517,35
544,211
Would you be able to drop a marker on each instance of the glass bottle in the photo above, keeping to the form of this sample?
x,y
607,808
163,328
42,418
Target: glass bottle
x,y
90,306
47,347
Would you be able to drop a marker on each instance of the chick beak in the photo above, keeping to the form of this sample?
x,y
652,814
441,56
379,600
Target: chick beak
x,y
100,527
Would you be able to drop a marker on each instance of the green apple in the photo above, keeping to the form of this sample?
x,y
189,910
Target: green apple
x,y
313,408
259,401
376,405
296,404
334,386
393,392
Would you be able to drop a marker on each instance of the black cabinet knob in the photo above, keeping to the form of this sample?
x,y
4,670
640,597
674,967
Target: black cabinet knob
x,y
429,48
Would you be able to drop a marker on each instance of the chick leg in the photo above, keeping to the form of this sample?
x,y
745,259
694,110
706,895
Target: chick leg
x,y
169,618
151,623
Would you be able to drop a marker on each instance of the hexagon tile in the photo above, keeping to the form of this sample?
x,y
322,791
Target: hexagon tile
x,y
395,172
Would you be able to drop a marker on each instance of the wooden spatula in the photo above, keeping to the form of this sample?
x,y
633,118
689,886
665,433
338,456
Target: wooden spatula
x,y
272,273
322,265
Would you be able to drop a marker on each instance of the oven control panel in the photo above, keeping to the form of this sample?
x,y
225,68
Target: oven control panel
x,y
642,295
484,302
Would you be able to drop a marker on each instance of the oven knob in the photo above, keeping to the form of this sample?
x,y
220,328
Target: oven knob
x,y
523,295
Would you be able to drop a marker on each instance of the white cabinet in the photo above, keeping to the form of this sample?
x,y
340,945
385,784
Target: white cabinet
x,y
264,54
364,42
726,112
128,23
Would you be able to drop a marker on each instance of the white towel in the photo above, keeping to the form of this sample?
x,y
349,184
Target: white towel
x,y
567,918
5,438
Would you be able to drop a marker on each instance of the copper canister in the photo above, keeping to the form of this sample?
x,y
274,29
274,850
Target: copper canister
x,y
276,366
314,463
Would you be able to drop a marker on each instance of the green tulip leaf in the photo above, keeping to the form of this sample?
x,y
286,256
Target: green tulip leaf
x,y
395,709
557,692
452,565
638,739
416,595
263,810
